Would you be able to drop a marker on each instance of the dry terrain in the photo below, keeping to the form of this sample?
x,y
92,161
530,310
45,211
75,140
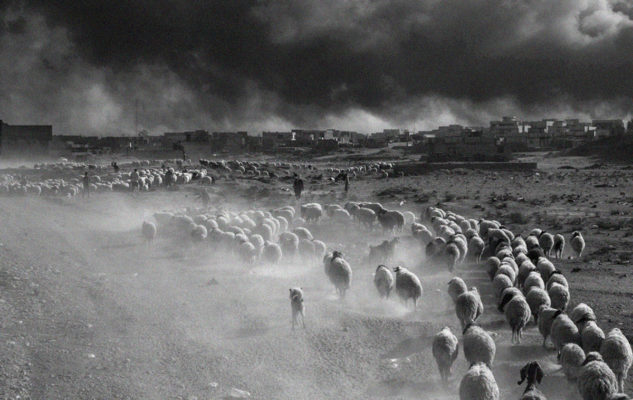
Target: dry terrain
x,y
88,310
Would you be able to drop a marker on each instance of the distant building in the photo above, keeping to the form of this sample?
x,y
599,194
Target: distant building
x,y
512,130
198,136
273,140
472,145
232,142
608,127
306,137
25,139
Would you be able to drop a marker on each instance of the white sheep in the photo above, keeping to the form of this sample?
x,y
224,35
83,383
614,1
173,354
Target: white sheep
x,y
311,212
556,277
339,272
546,316
577,243
545,268
384,281
456,286
476,247
616,352
478,345
582,312
149,230
289,243
536,298
546,241
596,381
591,336
572,357
445,350
297,307
478,384
517,313
533,280
272,253
319,249
564,331
559,245
469,307
492,265
366,217
408,285
559,296
500,283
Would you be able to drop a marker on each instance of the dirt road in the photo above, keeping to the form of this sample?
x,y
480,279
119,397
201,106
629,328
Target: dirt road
x,y
90,311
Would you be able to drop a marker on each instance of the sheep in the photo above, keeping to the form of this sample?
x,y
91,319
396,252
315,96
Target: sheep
x,y
311,212
248,252
545,268
564,331
559,245
456,286
478,384
272,253
384,251
302,233
306,250
492,265
408,285
339,272
475,248
452,254
577,243
616,352
517,312
199,233
556,277
507,270
571,359
546,241
582,312
297,307
559,296
319,249
533,280
591,336
531,242
390,220
469,307
149,231
445,351
596,381
499,283
533,372
289,243
524,270
384,281
536,298
478,345
366,217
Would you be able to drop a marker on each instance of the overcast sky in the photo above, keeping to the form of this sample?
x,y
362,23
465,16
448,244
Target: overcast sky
x,y
265,65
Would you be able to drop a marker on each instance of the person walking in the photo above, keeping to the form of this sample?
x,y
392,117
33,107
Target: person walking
x,y
134,179
298,186
86,181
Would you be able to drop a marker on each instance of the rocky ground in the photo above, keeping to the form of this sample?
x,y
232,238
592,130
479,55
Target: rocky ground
x,y
88,310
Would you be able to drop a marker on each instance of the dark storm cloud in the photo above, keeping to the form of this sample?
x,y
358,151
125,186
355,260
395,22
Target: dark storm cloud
x,y
304,61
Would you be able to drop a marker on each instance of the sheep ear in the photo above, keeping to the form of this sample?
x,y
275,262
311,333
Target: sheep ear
x,y
523,371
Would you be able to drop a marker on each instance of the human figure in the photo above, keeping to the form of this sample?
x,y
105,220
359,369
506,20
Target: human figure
x,y
134,179
86,180
346,183
115,166
298,186
168,177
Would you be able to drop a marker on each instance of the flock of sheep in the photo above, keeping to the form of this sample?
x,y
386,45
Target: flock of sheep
x,y
527,284
64,178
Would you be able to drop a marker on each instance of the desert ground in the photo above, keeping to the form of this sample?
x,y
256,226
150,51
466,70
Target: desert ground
x,y
89,310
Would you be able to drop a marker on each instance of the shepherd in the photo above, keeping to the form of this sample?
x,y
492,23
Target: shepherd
x,y
298,186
